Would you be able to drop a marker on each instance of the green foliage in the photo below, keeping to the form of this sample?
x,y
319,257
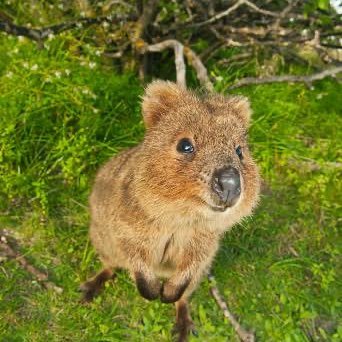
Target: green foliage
x,y
62,115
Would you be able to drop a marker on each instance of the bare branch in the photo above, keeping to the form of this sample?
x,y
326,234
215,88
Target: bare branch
x,y
179,56
287,78
220,15
146,19
107,6
193,60
41,34
285,12
10,252
260,10
232,9
201,71
244,335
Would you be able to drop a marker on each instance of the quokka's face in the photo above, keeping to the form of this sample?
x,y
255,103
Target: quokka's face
x,y
197,148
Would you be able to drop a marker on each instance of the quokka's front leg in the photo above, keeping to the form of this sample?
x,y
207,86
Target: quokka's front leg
x,y
147,283
92,287
139,261
194,260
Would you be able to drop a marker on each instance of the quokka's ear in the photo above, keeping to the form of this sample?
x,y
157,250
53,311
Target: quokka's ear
x,y
232,105
241,107
159,98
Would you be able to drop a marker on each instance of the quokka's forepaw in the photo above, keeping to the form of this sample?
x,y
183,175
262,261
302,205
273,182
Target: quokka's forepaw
x,y
149,289
93,287
89,291
171,293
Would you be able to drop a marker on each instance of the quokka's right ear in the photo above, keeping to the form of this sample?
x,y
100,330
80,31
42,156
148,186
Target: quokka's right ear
x,y
159,98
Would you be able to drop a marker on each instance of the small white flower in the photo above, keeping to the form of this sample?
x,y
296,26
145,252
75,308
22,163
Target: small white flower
x,y
85,91
67,72
305,32
291,20
60,6
25,65
95,110
82,14
51,36
98,53
34,67
92,65
79,25
21,39
9,74
105,24
58,74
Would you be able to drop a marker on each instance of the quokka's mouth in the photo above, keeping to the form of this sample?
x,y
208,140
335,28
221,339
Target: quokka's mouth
x,y
218,208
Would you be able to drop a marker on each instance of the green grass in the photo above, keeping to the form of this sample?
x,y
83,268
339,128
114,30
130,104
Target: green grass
x,y
277,270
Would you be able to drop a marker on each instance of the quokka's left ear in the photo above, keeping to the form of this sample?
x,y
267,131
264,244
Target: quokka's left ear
x,y
241,107
238,106
159,99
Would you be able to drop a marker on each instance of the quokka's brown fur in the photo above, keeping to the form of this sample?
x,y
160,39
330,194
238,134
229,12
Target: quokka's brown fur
x,y
154,210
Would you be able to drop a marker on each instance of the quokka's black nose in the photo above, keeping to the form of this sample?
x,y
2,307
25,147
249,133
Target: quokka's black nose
x,y
226,184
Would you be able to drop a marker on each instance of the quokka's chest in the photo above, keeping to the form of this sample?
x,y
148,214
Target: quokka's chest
x,y
168,252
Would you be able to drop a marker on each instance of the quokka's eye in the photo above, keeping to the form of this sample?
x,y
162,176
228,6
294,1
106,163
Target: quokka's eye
x,y
238,151
185,146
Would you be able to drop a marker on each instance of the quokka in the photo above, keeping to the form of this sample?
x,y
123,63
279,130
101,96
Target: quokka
x,y
159,209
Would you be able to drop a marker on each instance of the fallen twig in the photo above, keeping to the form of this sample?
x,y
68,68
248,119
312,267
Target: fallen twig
x,y
244,335
10,252
307,79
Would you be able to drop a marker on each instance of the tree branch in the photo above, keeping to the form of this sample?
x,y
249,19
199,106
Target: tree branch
x,y
285,12
179,56
41,34
287,78
180,51
201,71
219,15
232,9
260,10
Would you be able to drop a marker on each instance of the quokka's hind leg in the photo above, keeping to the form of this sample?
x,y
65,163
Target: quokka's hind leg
x,y
184,324
92,287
